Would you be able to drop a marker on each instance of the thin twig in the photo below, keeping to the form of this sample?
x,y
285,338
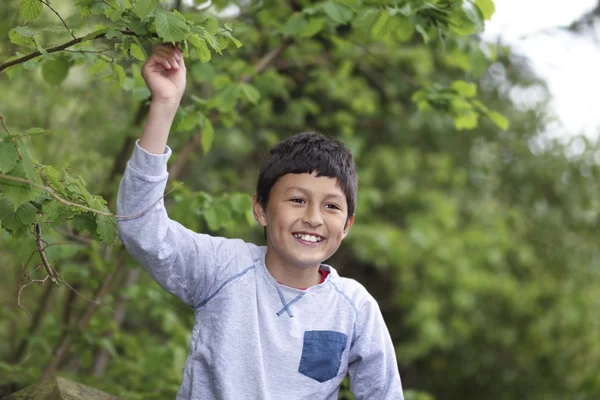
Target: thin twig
x,y
4,125
88,51
55,49
268,59
71,204
38,244
58,15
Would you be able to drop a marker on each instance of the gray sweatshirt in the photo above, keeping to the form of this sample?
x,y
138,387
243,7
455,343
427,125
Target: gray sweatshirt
x,y
254,338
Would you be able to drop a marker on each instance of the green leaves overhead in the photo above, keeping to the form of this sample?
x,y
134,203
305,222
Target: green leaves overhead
x,y
143,8
200,46
487,8
26,213
106,228
337,12
464,89
459,102
171,26
208,134
31,9
8,157
250,92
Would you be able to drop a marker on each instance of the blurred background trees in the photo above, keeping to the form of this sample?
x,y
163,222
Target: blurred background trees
x,y
475,232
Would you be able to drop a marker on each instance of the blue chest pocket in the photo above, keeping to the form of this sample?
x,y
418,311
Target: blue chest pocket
x,y
322,354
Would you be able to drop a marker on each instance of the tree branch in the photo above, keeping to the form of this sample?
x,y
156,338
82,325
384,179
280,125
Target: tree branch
x,y
71,204
56,48
58,15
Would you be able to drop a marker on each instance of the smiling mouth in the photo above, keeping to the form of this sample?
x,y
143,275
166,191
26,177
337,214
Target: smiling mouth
x,y
304,237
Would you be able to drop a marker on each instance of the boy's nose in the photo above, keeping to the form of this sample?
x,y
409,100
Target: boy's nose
x,y
313,216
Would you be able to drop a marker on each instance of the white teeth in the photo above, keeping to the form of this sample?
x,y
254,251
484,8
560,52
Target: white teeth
x,y
308,238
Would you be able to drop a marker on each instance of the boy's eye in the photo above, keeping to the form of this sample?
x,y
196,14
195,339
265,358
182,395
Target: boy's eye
x,y
333,206
297,200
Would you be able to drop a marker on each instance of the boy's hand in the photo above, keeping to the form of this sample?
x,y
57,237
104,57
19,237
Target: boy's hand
x,y
164,73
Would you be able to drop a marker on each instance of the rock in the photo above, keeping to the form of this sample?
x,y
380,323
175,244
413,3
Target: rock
x,y
60,389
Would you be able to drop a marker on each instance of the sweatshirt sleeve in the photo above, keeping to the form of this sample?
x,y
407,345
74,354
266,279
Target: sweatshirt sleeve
x,y
373,368
186,264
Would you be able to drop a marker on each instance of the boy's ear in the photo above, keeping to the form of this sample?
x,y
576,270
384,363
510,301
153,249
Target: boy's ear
x,y
348,225
259,212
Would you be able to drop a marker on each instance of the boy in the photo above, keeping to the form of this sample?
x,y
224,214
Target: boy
x,y
271,322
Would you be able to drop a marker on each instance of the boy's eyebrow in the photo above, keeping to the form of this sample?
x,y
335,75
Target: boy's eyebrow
x,y
309,192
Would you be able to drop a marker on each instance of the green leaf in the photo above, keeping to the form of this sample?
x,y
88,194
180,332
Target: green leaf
x,y
475,16
21,36
189,122
465,89
467,20
294,24
51,210
423,32
487,8
55,71
314,26
171,26
338,12
106,228
200,47
211,218
228,97
365,21
137,52
83,6
250,92
31,10
114,14
208,134
381,26
8,216
210,39
467,120
8,157
121,75
26,213
500,120
228,35
143,8
403,30
53,178
211,26
85,222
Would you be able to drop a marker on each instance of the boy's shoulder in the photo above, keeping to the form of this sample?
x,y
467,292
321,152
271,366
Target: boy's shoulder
x,y
354,291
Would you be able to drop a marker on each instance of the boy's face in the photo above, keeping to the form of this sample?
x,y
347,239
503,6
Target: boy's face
x,y
303,208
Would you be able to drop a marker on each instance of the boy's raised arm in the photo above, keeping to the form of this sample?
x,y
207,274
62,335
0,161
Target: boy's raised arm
x,y
186,264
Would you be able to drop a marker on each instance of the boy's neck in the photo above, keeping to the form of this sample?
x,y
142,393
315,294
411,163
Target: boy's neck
x,y
294,277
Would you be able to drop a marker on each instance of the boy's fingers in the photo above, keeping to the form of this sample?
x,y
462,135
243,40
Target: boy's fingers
x,y
168,56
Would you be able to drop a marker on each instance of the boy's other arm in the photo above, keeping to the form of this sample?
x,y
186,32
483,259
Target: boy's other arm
x,y
373,368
